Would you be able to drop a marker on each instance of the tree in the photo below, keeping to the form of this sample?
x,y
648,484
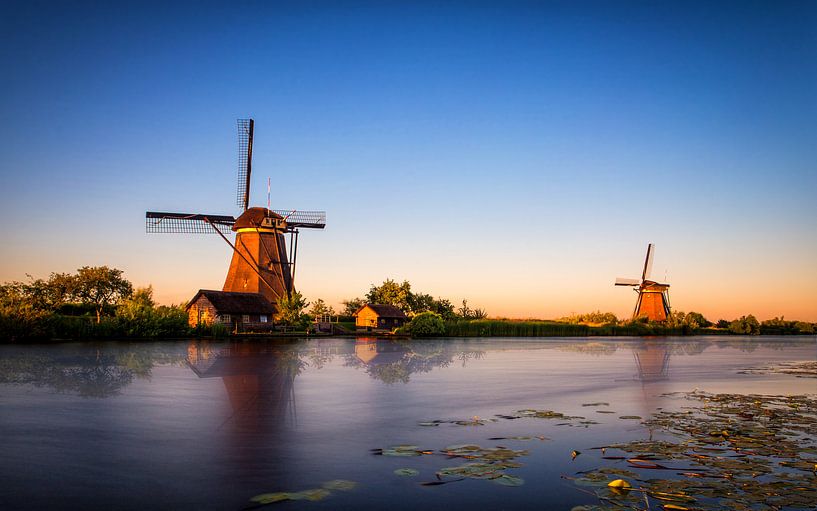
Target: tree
x,y
426,324
100,287
352,305
291,309
467,312
745,325
699,319
319,308
391,293
722,323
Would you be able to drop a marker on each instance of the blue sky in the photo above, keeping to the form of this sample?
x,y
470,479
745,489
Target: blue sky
x,y
519,154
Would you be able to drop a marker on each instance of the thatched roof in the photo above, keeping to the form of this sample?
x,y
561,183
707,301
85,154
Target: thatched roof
x,y
229,302
383,310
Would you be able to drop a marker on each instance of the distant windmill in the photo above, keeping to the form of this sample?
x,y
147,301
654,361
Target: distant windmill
x,y
653,297
260,263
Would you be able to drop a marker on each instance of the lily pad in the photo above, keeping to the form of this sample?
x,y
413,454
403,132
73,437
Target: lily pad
x,y
508,480
340,484
269,498
408,472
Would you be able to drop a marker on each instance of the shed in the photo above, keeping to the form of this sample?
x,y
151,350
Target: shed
x,y
241,311
376,316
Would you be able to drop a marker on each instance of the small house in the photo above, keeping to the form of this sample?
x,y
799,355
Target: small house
x,y
238,311
373,316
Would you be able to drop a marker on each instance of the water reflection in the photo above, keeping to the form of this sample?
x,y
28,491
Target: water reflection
x,y
393,362
101,370
258,378
651,360
88,370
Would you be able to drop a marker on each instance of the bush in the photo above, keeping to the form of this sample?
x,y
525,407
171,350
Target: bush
x,y
426,324
746,325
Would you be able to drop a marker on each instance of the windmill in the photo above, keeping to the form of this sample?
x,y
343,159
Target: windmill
x,y
260,262
653,297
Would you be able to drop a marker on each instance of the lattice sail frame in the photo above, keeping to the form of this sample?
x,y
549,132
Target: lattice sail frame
x,y
245,133
193,223
183,223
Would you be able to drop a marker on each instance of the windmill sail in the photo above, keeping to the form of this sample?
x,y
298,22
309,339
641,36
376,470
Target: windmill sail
x,y
627,282
186,223
648,262
245,129
307,219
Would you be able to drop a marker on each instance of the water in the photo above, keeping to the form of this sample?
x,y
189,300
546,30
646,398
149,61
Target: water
x,y
208,425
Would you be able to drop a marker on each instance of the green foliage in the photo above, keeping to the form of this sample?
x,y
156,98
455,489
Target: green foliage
x,y
722,323
319,308
688,323
291,310
45,309
100,286
351,306
426,324
140,317
805,328
746,325
391,293
781,326
592,318
699,319
402,297
466,312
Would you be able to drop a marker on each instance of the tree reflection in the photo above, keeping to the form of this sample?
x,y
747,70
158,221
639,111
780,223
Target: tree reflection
x,y
88,370
395,362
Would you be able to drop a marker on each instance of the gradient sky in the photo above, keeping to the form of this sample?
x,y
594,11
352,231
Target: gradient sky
x,y
518,154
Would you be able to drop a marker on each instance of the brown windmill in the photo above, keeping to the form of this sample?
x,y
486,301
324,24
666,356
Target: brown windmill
x,y
260,262
653,297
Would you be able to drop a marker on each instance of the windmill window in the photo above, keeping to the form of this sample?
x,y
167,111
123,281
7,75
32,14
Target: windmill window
x,y
245,318
263,318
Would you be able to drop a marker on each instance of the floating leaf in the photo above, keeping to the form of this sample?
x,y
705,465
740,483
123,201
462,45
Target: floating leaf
x,y
634,417
339,484
508,480
313,494
619,483
600,403
409,472
269,498
574,454
402,450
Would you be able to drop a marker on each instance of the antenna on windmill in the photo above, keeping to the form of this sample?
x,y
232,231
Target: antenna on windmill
x,y
259,263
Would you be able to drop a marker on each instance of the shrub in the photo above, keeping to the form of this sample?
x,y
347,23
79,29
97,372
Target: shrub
x,y
746,325
426,324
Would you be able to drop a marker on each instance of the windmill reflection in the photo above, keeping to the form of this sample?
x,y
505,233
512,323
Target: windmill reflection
x,y
258,377
651,360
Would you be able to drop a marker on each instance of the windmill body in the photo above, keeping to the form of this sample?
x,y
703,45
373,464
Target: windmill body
x,y
260,262
653,297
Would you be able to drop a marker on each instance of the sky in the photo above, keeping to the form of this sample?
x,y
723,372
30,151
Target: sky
x,y
520,155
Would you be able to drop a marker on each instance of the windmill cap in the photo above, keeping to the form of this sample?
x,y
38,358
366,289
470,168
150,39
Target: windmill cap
x,y
254,217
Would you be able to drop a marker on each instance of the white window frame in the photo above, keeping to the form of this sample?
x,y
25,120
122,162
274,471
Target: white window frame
x,y
245,318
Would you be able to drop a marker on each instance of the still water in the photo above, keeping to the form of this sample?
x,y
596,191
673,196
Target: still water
x,y
209,425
